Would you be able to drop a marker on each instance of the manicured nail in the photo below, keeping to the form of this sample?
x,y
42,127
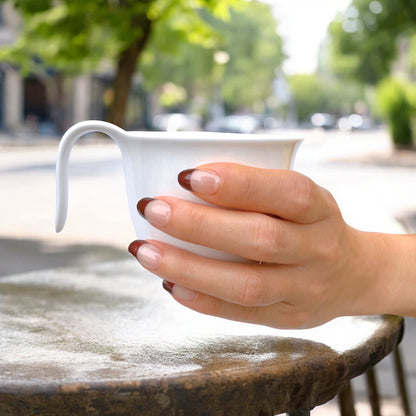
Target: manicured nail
x,y
148,255
179,292
155,211
199,180
168,286
134,247
142,204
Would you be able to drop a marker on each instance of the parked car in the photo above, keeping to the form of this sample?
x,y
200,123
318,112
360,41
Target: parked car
x,y
354,122
323,120
237,123
177,122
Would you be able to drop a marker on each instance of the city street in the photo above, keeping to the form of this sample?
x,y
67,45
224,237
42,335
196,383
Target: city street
x,y
373,185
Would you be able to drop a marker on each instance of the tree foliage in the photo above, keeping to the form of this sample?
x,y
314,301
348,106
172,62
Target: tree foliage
x,y
249,39
364,38
255,51
397,103
75,35
313,94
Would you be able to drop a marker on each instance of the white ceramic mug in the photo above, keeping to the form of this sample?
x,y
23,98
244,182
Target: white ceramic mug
x,y
152,161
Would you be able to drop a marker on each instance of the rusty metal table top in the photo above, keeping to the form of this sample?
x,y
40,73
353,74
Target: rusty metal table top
x,y
107,340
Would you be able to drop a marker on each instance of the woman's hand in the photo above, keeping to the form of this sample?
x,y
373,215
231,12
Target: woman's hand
x,y
305,264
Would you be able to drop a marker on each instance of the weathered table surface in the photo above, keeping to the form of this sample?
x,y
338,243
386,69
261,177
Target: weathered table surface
x,y
107,340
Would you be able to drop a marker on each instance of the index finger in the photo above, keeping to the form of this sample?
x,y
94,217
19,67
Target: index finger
x,y
284,193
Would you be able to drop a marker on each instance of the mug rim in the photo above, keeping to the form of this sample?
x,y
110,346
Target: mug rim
x,y
206,136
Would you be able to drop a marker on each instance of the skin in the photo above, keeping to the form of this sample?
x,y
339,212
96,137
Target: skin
x,y
305,265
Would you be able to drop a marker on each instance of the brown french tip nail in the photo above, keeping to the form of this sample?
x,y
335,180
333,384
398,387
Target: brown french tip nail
x,y
168,286
134,246
142,204
184,179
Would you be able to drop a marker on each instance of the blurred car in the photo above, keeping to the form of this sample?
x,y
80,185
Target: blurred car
x,y
323,120
177,122
354,122
237,123
270,122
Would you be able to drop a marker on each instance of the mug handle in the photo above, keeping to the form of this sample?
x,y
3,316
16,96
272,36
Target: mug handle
x,y
68,140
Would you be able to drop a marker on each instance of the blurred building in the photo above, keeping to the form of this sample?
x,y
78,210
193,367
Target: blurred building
x,y
29,102
24,100
11,84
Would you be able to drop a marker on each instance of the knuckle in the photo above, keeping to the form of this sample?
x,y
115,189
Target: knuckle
x,y
248,188
307,196
195,220
331,203
249,289
304,190
187,274
265,237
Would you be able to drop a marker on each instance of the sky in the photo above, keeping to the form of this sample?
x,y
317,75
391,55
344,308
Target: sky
x,y
303,25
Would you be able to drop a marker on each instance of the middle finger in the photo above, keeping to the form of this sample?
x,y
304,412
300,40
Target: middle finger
x,y
250,235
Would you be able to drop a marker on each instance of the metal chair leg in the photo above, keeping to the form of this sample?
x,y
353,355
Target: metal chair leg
x,y
373,391
346,401
346,397
401,381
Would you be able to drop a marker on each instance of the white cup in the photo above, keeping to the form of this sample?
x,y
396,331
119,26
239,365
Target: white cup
x,y
152,161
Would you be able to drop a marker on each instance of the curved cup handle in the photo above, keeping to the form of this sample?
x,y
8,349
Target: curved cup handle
x,y
65,146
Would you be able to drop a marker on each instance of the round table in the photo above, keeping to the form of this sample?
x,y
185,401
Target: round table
x,y
108,340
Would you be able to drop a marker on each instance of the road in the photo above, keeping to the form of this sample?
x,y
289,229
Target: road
x,y
373,186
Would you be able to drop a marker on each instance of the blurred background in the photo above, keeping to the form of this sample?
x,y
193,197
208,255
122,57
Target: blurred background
x,y
233,65
341,74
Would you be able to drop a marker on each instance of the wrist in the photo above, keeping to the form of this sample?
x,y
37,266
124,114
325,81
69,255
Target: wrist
x,y
400,274
387,266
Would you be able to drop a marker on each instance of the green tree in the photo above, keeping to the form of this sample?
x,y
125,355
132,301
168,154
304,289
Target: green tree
x,y
178,65
314,94
366,41
249,40
76,35
412,57
256,52
396,102
364,38
307,94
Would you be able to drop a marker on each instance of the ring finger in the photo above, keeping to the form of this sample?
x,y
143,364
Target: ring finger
x,y
246,284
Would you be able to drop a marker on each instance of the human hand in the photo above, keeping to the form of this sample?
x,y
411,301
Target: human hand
x,y
304,266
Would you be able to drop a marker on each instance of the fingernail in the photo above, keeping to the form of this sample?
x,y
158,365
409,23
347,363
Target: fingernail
x,y
134,247
142,204
149,256
168,286
155,211
199,180
179,292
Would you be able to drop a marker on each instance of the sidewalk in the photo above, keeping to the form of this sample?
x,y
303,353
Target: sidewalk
x,y
373,186
27,182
